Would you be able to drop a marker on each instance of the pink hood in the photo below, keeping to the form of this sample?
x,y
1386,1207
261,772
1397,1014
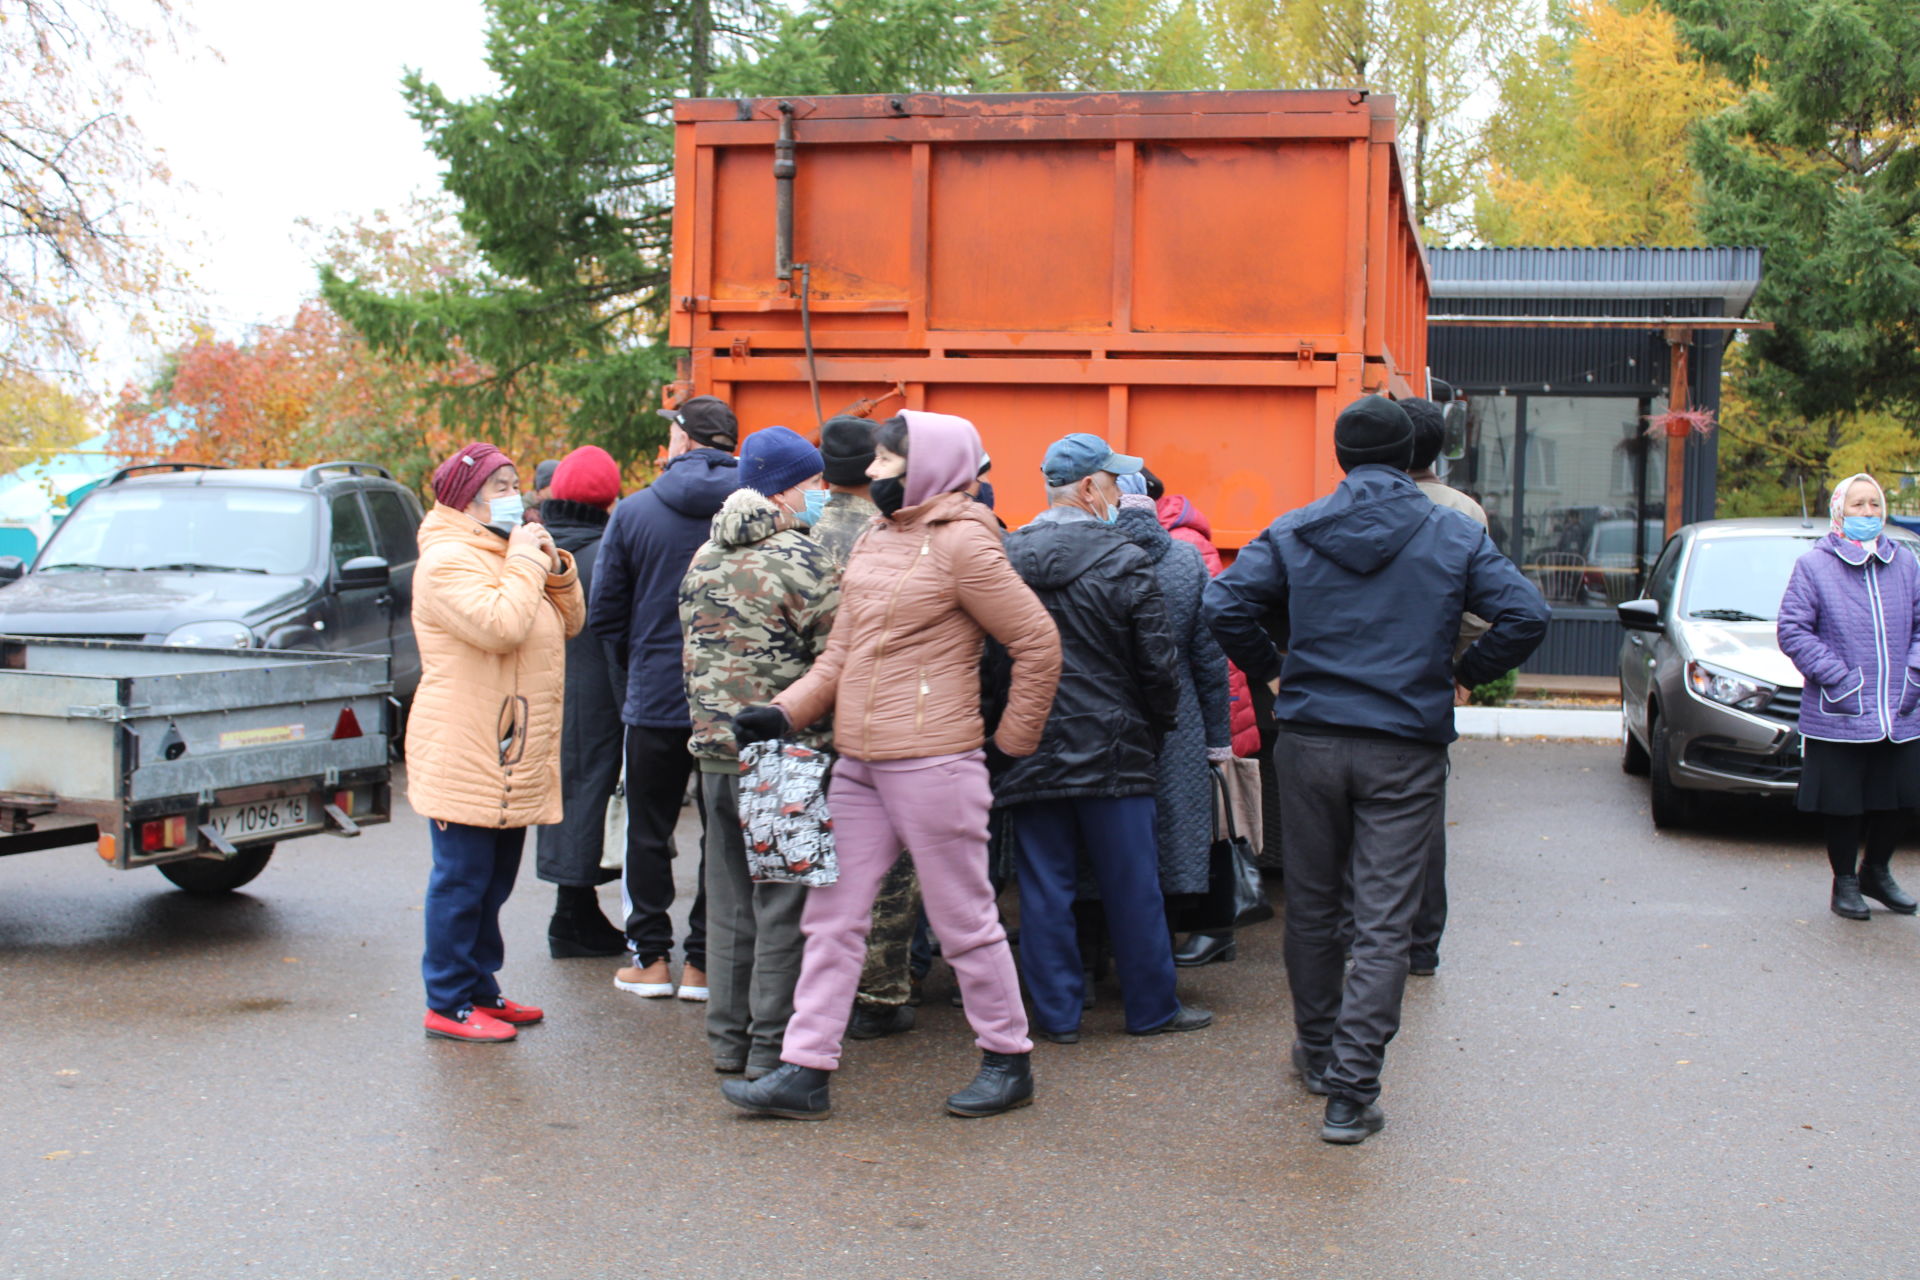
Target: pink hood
x,y
943,455
1176,512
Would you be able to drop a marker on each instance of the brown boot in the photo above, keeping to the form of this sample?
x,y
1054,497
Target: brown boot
x,y
651,982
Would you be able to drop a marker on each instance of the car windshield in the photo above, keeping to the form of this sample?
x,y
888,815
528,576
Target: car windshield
x,y
191,528
1742,579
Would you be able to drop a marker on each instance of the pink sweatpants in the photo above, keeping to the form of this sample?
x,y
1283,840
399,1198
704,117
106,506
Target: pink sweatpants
x,y
938,813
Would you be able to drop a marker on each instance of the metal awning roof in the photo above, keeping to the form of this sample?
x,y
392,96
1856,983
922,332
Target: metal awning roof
x,y
1727,276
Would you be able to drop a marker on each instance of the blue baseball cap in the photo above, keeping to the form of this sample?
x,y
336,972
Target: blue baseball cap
x,y
1079,455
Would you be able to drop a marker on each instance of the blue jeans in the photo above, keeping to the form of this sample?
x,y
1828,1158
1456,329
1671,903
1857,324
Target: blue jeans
x,y
1117,836
473,872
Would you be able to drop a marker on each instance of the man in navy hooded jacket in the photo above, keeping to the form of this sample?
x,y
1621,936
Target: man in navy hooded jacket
x,y
1372,581
636,609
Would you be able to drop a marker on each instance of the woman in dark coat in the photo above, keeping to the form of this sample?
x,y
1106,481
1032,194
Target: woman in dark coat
x,y
1184,798
579,503
1851,622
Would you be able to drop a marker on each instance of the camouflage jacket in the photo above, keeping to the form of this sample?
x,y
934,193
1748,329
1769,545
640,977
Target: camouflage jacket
x,y
846,517
755,609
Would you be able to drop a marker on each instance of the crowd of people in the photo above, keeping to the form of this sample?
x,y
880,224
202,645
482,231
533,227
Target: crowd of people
x,y
1049,707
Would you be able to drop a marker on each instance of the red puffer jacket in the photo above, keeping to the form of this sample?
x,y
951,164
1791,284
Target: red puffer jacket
x,y
1185,521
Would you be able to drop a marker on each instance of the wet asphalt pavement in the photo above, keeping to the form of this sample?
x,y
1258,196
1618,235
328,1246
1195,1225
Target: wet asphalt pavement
x,y
1643,1055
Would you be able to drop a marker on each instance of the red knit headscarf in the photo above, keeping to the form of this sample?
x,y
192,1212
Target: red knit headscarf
x,y
457,481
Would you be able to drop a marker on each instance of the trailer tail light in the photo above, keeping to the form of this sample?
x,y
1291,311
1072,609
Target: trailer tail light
x,y
159,835
347,726
343,801
109,849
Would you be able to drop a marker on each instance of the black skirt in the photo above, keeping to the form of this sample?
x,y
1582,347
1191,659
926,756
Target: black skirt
x,y
1859,777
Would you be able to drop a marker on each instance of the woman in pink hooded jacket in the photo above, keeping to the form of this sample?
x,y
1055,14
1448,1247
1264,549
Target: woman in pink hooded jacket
x,y
925,584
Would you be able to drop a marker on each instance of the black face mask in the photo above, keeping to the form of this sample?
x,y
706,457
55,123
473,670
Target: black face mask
x,y
889,495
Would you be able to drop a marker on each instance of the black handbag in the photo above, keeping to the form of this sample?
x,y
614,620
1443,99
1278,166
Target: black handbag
x,y
1235,893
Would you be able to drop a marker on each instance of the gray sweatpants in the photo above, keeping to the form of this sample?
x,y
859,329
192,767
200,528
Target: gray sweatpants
x,y
753,940
1363,811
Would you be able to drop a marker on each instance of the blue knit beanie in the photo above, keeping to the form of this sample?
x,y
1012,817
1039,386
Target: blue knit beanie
x,y
774,459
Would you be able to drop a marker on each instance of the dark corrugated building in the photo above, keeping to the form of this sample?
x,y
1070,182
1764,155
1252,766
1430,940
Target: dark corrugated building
x,y
1557,445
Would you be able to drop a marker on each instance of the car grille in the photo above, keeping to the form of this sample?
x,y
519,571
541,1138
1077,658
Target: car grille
x,y
1721,755
1783,708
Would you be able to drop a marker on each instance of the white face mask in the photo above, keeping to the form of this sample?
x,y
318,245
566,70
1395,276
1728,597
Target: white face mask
x,y
508,512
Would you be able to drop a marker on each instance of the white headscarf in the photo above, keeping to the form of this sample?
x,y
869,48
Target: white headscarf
x,y
1836,508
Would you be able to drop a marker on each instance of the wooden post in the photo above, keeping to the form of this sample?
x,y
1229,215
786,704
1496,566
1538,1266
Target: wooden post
x,y
1678,341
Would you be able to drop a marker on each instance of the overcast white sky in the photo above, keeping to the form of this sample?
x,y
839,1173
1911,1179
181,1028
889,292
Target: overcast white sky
x,y
302,118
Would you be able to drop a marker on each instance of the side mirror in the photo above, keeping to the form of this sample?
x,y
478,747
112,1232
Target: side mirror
x,y
1640,615
12,569
1453,445
362,571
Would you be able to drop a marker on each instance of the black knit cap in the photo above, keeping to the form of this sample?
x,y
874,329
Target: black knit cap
x,y
847,445
1373,429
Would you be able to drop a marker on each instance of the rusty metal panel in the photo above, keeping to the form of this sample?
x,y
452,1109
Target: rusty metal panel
x,y
1204,278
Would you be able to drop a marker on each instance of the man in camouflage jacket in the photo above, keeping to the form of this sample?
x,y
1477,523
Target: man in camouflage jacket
x,y
755,609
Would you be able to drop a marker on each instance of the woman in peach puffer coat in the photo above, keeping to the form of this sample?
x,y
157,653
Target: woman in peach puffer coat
x,y
493,604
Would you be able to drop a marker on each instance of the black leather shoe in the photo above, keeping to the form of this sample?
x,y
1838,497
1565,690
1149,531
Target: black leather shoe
x,y
1005,1082
1204,948
1878,883
1059,1037
577,935
1185,1018
1309,1075
1847,900
1348,1122
792,1093
871,1021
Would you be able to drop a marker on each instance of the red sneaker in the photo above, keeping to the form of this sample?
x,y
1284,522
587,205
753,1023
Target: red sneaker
x,y
508,1011
477,1026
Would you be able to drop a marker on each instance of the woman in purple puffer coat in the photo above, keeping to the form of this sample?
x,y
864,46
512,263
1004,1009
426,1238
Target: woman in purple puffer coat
x,y
1851,622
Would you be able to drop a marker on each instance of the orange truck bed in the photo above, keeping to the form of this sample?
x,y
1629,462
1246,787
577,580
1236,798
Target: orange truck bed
x,y
1202,278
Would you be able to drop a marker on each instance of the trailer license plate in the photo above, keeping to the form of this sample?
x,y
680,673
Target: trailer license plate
x,y
267,817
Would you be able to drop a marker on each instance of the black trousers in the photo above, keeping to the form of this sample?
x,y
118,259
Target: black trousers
x,y
1361,816
1430,921
658,767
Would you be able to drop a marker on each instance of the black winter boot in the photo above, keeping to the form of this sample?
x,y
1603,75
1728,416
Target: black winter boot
x,y
1877,882
1004,1083
578,929
793,1092
871,1021
1847,901
1348,1122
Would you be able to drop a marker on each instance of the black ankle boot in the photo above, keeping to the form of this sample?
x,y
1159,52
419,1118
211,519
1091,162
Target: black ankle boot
x,y
871,1021
1878,883
793,1092
1847,900
1005,1082
574,933
1204,948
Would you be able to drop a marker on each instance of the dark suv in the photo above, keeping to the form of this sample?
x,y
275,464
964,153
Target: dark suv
x,y
187,554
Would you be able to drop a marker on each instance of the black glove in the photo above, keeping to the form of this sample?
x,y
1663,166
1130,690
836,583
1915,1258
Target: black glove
x,y
757,724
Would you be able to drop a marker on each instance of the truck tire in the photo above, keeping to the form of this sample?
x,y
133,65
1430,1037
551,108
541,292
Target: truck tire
x,y
1633,757
1672,806
212,877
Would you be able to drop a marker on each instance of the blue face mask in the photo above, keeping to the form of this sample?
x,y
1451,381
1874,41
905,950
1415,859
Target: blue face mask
x,y
816,503
1861,528
508,512
1113,513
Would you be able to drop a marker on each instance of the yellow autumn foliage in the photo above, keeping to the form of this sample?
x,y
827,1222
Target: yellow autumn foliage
x,y
1602,159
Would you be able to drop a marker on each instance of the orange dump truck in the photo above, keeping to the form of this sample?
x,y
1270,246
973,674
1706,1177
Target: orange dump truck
x,y
1202,278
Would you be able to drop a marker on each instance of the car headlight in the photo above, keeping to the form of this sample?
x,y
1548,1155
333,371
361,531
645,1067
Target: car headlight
x,y
212,635
1728,689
